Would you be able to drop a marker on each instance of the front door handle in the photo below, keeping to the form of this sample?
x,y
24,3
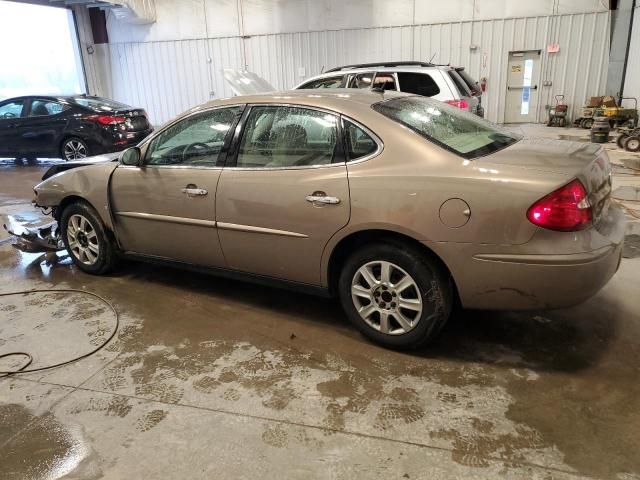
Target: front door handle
x,y
321,197
193,191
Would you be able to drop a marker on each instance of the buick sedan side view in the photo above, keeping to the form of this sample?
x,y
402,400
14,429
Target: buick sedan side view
x,y
399,205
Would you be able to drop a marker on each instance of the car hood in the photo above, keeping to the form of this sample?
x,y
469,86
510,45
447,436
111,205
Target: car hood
x,y
246,83
63,167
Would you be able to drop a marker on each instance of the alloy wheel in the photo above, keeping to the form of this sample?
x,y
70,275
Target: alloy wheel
x,y
74,149
82,239
386,297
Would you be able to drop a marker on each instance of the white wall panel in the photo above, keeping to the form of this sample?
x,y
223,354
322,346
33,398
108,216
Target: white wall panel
x,y
193,19
632,79
169,77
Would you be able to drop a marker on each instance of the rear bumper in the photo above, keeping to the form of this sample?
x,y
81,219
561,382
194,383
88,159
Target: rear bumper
x,y
523,281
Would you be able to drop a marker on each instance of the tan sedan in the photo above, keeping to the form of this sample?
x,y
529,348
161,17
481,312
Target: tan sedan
x,y
398,204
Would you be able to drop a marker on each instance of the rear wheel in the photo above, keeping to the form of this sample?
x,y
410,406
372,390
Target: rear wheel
x,y
620,140
587,123
395,296
632,144
86,239
74,148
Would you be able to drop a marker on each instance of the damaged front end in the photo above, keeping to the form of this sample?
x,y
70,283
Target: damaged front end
x,y
43,239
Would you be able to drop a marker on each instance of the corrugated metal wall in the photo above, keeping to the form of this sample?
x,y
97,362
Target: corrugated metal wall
x,y
632,79
169,77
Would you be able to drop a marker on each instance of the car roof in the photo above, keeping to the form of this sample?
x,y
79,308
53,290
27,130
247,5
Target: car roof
x,y
49,96
313,97
401,68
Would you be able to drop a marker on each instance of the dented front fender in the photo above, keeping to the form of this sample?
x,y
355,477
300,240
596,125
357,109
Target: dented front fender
x,y
90,183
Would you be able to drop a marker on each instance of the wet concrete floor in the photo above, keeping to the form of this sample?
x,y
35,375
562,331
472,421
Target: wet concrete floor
x,y
211,378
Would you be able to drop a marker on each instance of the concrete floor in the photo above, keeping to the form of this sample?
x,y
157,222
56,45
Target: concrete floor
x,y
211,378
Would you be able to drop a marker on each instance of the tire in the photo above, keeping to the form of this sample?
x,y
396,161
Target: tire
x,y
587,123
425,283
563,122
86,239
632,144
620,140
73,148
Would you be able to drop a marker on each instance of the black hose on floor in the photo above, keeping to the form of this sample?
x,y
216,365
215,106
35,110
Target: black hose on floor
x,y
29,357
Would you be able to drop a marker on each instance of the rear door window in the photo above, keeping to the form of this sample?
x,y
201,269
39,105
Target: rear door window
x,y
361,80
42,108
385,81
418,83
330,82
282,136
11,109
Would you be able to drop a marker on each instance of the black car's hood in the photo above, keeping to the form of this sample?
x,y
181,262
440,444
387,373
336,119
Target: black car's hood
x,y
63,167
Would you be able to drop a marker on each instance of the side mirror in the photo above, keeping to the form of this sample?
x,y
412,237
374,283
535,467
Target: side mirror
x,y
131,156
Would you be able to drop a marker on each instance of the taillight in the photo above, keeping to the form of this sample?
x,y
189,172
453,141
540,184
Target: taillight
x,y
463,104
567,209
107,119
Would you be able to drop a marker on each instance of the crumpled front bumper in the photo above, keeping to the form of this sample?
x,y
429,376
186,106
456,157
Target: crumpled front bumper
x,y
38,240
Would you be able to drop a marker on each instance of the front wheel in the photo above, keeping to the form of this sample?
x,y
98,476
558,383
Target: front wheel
x,y
395,296
86,239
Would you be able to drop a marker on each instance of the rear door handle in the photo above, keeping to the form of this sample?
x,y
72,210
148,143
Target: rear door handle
x,y
194,191
321,197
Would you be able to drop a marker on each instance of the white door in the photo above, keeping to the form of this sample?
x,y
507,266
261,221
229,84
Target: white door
x,y
522,87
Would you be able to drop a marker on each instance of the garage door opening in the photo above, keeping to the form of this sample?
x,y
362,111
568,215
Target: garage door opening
x,y
40,53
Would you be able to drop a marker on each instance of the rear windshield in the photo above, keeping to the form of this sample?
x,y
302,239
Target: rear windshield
x,y
462,87
471,83
100,104
452,128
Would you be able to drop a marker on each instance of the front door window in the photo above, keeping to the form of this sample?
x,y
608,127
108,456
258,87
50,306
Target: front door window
x,y
196,140
11,109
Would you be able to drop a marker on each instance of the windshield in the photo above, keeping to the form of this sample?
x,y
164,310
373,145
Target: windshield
x,y
100,104
456,130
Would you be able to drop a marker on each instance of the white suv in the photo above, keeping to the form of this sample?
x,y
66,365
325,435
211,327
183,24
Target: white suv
x,y
442,82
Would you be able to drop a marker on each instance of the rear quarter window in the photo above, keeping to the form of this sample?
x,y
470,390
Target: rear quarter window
x,y
418,83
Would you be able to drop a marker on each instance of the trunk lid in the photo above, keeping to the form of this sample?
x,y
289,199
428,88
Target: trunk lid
x,y
587,162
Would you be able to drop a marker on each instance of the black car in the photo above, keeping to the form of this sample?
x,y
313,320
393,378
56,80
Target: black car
x,y
68,127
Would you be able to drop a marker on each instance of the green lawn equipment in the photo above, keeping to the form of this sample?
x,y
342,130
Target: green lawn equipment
x,y
622,117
